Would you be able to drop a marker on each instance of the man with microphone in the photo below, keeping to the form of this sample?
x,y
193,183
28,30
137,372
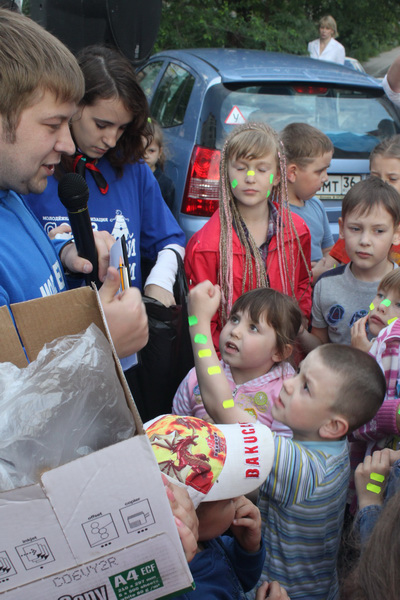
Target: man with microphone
x,y
41,85
39,96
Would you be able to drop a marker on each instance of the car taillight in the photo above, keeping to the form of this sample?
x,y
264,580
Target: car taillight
x,y
310,89
202,184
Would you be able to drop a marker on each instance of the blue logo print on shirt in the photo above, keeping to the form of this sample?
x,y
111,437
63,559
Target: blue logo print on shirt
x,y
357,315
335,314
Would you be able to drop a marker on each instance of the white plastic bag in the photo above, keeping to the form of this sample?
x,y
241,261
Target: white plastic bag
x,y
67,403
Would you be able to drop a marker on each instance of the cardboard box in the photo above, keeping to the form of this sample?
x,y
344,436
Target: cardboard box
x,y
99,527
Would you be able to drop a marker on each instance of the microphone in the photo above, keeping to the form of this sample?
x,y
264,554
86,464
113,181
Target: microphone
x,y
73,192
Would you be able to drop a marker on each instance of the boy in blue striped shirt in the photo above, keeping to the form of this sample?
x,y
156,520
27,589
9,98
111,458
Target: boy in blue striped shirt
x,y
302,501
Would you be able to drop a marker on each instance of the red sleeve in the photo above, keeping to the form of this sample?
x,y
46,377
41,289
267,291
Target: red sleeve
x,y
339,253
395,254
201,264
304,289
196,267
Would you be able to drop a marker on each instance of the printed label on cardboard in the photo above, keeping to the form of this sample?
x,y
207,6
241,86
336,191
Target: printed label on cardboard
x,y
136,581
99,593
149,570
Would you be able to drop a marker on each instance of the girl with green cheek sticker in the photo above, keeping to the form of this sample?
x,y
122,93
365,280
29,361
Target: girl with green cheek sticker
x,y
378,333
253,240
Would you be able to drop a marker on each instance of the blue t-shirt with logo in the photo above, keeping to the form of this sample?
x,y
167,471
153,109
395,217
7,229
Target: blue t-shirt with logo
x,y
29,263
133,206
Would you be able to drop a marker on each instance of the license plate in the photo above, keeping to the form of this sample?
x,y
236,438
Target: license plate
x,y
337,186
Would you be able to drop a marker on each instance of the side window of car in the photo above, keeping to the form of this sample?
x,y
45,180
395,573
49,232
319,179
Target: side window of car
x,y
148,75
172,96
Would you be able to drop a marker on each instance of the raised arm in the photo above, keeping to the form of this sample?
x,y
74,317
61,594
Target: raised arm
x,y
204,300
393,75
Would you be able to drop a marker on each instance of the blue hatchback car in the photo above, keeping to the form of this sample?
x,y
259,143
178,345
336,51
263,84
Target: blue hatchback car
x,y
199,95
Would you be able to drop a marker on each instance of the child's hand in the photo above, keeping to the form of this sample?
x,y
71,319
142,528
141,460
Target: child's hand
x,y
303,326
204,300
246,526
273,591
317,268
370,477
359,337
185,517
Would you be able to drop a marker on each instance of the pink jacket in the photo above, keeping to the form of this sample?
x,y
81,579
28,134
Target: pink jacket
x,y
386,351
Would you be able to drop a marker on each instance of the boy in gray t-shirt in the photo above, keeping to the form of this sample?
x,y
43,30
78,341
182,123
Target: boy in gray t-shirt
x,y
369,226
340,301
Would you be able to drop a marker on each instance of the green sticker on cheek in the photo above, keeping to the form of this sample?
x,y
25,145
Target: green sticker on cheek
x,y
250,173
268,193
234,183
271,178
371,306
386,302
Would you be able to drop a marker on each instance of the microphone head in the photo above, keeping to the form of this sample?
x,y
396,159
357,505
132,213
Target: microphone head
x,y
73,192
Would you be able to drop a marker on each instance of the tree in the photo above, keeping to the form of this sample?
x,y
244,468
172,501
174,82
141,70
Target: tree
x,y
223,24
278,25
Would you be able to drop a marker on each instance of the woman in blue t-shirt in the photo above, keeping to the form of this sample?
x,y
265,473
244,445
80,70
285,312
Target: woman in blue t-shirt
x,y
124,197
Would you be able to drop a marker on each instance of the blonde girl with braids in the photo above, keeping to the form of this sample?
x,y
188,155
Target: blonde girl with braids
x,y
252,240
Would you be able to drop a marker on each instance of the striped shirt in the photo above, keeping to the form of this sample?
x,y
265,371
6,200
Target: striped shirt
x,y
302,507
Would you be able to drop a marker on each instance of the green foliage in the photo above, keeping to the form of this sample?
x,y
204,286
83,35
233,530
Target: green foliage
x,y
231,25
278,25
26,7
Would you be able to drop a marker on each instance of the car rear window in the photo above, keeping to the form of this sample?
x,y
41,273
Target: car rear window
x,y
354,119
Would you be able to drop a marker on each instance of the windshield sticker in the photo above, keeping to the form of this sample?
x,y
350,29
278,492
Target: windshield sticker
x,y
235,117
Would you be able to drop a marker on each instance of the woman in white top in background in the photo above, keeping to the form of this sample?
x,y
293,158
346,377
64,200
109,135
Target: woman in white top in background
x,y
326,47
